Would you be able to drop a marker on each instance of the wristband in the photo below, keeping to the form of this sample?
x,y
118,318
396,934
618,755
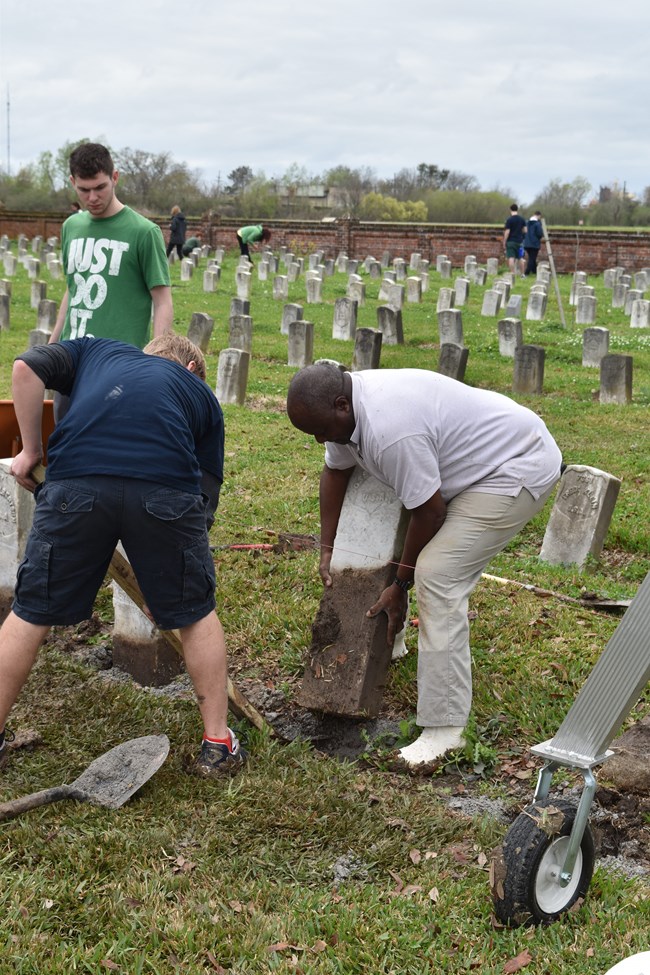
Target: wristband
x,y
404,584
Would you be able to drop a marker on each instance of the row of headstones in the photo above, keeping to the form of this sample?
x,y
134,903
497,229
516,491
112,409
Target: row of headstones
x,y
43,253
631,300
45,308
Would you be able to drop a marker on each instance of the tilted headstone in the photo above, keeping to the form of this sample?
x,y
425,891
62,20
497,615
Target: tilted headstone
x,y
301,344
586,310
510,336
389,323
452,361
356,291
200,330
616,379
446,298
640,314
232,376
480,276
290,313
241,332
595,345
528,372
450,326
348,658
367,349
580,516
344,324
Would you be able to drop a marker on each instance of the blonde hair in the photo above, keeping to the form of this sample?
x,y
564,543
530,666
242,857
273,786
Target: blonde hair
x,y
179,349
175,210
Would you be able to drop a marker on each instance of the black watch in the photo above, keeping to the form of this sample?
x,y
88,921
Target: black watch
x,y
404,584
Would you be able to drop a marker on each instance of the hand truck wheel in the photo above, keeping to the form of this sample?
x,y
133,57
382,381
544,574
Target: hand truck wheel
x,y
526,870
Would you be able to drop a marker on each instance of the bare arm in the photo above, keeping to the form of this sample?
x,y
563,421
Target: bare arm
x,y
425,521
333,485
28,392
163,310
60,319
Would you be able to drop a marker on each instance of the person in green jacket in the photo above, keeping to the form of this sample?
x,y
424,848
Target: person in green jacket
x,y
190,244
251,235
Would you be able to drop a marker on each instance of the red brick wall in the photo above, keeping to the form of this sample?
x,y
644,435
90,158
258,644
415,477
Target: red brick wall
x,y
578,249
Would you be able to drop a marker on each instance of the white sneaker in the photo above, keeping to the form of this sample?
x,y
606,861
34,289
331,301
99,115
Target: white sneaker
x,y
432,744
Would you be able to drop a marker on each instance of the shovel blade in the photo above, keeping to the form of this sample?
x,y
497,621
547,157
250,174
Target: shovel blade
x,y
113,777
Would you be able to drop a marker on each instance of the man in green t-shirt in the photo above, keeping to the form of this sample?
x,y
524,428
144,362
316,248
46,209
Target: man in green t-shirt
x,y
114,261
251,235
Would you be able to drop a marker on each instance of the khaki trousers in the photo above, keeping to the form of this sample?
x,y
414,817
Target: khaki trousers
x,y
477,527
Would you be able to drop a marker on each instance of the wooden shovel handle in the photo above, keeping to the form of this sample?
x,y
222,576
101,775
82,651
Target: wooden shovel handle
x,y
121,572
12,809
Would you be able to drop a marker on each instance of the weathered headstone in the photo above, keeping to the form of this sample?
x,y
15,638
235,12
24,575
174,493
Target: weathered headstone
x,y
510,336
187,269
640,314
243,282
450,326
280,287
46,315
536,308
492,266
414,290
619,294
440,260
16,515
290,313
232,376
367,349
345,319
452,361
445,269
445,299
348,659
38,292
528,372
389,323
586,310
395,296
491,303
595,345
301,344
581,515
314,290
616,379
356,291
633,294
200,330
513,307
5,312
461,289
241,332
210,280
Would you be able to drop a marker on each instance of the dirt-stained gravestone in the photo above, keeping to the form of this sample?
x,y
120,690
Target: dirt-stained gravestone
x,y
348,660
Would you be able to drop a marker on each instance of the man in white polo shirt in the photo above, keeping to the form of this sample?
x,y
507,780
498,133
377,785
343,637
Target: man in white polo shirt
x,y
472,467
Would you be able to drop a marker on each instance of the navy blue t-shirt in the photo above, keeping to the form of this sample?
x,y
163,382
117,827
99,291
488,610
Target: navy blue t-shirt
x,y
131,415
516,225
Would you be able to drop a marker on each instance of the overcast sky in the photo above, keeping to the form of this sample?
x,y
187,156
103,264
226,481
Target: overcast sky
x,y
516,94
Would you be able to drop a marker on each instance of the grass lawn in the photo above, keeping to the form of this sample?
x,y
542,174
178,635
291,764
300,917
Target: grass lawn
x,y
306,863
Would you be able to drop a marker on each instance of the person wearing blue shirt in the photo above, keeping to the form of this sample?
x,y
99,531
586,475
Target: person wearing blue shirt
x,y
138,458
533,241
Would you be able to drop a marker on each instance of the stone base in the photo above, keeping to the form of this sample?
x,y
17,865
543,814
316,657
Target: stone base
x,y
152,664
347,663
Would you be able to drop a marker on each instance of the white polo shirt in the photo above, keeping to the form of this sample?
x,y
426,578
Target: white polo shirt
x,y
421,432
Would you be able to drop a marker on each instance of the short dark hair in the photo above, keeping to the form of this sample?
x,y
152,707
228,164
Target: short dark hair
x,y
514,206
91,158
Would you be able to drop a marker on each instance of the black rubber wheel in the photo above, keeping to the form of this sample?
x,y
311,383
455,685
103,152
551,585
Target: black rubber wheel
x,y
526,870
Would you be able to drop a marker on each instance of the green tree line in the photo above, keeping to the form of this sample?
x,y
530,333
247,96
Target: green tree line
x,y
154,182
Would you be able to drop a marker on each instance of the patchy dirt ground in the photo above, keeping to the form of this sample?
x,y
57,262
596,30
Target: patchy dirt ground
x,y
620,819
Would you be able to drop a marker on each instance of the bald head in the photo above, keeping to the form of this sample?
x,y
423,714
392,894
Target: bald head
x,y
319,402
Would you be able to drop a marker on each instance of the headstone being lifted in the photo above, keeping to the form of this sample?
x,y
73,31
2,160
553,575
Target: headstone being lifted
x,y
348,660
